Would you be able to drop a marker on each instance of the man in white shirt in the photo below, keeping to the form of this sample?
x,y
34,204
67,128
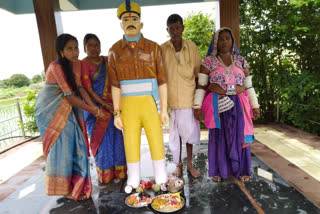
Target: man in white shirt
x,y
182,61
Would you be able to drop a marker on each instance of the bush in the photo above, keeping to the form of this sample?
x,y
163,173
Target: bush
x,y
30,125
19,80
5,83
37,86
36,78
7,93
12,92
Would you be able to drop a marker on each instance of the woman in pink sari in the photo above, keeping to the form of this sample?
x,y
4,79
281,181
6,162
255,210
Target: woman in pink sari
x,y
227,109
60,121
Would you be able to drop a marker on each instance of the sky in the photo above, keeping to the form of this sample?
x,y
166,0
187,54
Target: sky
x,y
20,45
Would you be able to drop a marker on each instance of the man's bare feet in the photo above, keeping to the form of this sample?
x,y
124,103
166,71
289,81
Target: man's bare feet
x,y
217,179
178,171
195,173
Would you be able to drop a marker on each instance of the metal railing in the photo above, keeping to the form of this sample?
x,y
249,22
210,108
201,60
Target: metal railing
x,y
11,123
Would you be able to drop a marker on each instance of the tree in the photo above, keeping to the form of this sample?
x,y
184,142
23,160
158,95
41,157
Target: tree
x,y
5,83
19,80
36,78
280,40
199,29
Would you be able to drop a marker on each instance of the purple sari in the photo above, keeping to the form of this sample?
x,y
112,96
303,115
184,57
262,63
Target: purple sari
x,y
226,155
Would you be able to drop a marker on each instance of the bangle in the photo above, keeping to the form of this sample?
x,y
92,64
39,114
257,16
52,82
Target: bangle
x,y
198,98
203,79
116,113
98,113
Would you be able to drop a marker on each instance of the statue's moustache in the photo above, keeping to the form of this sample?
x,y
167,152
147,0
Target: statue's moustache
x,y
131,26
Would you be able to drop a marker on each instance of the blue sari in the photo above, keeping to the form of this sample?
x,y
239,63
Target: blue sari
x,y
64,145
106,141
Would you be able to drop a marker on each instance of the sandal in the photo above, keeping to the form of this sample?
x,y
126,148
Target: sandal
x,y
217,179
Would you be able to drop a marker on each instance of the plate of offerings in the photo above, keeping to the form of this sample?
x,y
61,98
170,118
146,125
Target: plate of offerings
x,y
168,203
138,200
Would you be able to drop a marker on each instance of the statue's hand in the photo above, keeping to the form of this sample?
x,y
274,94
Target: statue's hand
x,y
118,123
164,118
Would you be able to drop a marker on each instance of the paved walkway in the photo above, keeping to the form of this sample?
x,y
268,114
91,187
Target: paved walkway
x,y
289,155
298,153
293,154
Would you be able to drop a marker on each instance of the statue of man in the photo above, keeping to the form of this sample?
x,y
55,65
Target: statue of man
x,y
139,93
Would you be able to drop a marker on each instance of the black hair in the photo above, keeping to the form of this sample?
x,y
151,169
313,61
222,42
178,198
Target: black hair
x,y
66,65
174,18
89,36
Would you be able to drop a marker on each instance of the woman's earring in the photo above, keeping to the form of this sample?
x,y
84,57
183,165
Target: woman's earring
x,y
62,55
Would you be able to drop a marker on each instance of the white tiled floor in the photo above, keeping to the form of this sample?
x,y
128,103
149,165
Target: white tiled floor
x,y
302,155
13,163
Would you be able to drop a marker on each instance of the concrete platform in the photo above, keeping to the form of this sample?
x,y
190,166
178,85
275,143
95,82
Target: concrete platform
x,y
24,192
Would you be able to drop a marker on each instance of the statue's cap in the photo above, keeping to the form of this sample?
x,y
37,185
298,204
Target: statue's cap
x,y
128,7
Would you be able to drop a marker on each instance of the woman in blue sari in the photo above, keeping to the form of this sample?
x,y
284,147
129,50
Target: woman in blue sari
x,y
60,121
106,141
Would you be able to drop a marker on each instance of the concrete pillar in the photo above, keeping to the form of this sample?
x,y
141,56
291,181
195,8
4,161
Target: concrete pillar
x,y
44,11
229,17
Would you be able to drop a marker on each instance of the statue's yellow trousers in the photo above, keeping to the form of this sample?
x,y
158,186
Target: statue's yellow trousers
x,y
138,112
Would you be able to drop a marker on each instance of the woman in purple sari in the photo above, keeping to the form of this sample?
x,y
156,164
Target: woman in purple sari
x,y
106,141
227,109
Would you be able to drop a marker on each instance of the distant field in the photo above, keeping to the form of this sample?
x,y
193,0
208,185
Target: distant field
x,y
7,93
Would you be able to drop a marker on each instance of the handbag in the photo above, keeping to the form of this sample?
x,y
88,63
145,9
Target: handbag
x,y
225,104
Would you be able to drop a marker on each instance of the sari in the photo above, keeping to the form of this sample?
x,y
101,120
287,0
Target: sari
x,y
230,132
64,138
106,141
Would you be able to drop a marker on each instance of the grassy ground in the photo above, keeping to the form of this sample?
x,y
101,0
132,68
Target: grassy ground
x,y
8,95
6,102
13,92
